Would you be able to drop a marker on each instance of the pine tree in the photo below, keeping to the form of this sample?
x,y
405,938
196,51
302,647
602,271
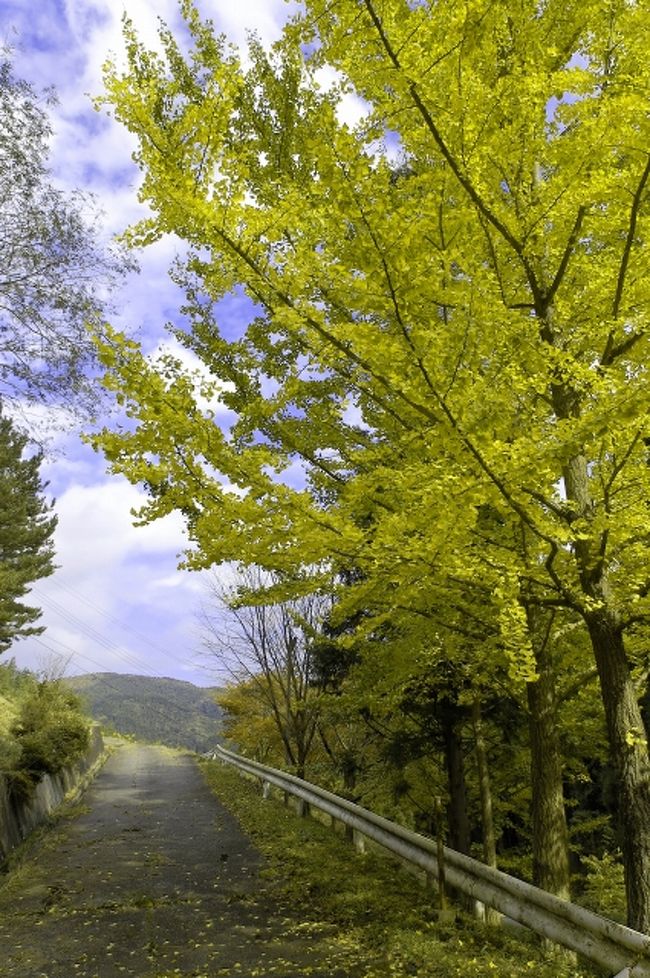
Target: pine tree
x,y
26,528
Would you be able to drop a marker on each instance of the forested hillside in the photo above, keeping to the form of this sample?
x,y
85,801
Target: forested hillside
x,y
165,711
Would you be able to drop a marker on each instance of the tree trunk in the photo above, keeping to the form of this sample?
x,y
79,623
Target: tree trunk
x,y
458,821
625,731
349,769
629,754
489,837
303,806
550,833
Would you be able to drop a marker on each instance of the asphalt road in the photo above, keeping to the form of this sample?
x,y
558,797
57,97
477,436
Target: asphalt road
x,y
151,878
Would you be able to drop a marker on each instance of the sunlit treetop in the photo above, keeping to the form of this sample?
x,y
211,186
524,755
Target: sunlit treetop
x,y
446,326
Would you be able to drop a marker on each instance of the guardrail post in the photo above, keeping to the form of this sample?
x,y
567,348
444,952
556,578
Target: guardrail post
x,y
302,807
359,841
442,889
443,903
266,789
346,830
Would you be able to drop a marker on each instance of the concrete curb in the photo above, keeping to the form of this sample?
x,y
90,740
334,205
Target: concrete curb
x,y
18,819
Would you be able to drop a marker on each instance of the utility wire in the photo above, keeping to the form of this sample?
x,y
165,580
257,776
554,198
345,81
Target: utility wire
x,y
91,632
118,621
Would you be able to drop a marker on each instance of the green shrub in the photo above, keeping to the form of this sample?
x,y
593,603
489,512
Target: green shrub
x,y
9,753
53,747
49,732
604,886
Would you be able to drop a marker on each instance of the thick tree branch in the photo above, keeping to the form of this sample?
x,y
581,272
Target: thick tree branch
x,y
629,240
566,256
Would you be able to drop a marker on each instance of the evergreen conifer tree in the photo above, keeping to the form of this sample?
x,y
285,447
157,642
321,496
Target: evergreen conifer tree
x,y
26,528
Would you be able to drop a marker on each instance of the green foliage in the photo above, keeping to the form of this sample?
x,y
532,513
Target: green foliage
x,y
26,529
453,344
383,920
164,711
13,685
50,731
603,887
9,751
249,724
44,728
476,304
13,680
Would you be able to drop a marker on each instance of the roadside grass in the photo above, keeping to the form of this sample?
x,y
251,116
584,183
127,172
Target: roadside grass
x,y
381,917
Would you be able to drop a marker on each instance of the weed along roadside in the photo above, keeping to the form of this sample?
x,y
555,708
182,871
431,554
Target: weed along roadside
x,y
568,929
382,920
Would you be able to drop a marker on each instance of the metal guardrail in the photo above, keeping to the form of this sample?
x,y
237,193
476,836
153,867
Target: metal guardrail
x,y
620,949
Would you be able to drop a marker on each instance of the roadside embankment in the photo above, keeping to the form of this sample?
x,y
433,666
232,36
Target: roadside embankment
x,y
20,817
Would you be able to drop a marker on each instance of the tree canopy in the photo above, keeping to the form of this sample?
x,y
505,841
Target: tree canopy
x,y
452,328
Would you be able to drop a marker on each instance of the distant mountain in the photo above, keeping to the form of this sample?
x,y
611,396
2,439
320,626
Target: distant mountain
x,y
165,711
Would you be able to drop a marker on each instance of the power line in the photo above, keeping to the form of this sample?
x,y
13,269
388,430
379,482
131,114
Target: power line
x,y
116,620
95,635
76,654
89,632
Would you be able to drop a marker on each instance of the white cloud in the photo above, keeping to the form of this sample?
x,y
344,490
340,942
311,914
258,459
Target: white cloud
x,y
107,603
350,109
173,582
236,20
104,511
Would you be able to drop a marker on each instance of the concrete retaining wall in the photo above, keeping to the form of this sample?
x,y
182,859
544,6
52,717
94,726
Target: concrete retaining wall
x,y
18,819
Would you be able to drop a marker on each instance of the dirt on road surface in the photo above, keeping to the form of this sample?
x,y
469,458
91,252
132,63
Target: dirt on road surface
x,y
152,878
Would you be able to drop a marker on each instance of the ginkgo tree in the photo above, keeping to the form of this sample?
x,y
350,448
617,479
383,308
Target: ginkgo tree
x,y
452,308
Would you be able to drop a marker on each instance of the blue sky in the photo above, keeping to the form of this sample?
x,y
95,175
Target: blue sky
x,y
117,601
